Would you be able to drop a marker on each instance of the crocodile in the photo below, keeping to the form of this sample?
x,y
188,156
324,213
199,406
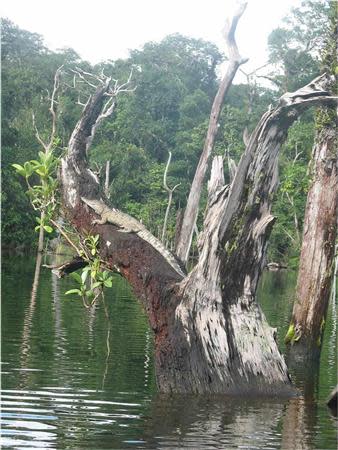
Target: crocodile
x,y
128,224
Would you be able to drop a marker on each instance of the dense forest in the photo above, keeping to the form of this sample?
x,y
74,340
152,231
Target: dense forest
x,y
175,82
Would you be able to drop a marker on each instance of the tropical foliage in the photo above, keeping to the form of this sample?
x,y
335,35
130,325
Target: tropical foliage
x,y
176,81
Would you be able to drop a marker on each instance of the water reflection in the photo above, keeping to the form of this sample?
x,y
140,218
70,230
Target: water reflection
x,y
300,420
209,423
25,346
78,378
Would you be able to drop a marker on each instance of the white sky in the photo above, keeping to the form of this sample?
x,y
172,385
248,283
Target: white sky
x,y
107,29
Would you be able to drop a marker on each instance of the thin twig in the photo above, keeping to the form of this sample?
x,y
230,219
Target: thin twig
x,y
56,225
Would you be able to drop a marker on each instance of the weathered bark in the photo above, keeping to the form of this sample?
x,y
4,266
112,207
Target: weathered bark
x,y
318,247
191,210
210,335
178,226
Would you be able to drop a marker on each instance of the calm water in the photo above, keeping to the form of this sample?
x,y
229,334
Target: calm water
x,y
78,379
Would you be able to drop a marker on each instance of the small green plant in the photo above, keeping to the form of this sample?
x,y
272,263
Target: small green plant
x,y
42,194
92,280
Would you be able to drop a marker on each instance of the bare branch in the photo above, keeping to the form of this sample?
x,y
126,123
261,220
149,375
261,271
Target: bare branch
x,y
231,165
53,102
295,217
272,80
229,33
191,211
170,196
37,134
52,106
98,169
117,89
80,73
108,108
165,173
297,155
106,181
80,103
64,234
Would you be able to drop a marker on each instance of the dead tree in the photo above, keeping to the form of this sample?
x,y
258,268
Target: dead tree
x,y
316,269
170,198
210,334
191,210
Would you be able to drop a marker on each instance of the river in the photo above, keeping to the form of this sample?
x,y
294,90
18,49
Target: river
x,y
74,378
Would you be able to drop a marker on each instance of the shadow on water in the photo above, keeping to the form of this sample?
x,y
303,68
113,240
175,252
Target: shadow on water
x,y
78,378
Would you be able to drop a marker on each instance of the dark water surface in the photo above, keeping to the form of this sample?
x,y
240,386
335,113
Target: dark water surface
x,y
79,379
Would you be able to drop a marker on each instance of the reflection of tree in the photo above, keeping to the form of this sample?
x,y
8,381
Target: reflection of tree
x,y
204,422
147,358
27,327
299,423
106,363
60,339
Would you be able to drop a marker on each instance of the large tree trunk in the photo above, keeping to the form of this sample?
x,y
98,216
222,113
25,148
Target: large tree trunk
x,y
315,275
210,334
191,210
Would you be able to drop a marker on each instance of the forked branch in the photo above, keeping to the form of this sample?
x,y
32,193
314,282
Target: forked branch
x,y
104,86
235,61
52,109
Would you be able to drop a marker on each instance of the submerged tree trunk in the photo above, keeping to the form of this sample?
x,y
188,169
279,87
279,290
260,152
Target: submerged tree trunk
x,y
316,272
210,334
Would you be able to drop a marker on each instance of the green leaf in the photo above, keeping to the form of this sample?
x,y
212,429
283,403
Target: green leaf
x,y
84,276
28,168
41,171
93,251
73,291
96,284
108,283
17,167
20,170
48,228
76,277
42,156
37,228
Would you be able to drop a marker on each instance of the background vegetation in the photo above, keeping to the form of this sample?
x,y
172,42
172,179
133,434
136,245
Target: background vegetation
x,y
176,82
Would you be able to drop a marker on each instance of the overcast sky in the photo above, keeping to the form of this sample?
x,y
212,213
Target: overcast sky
x,y
107,29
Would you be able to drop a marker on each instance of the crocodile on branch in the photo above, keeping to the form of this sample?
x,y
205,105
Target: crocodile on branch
x,y
128,224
